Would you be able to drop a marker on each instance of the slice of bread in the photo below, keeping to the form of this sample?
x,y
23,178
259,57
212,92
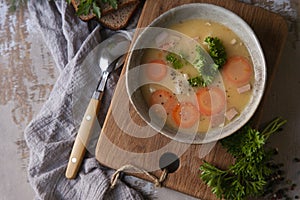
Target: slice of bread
x,y
119,18
116,19
75,4
106,8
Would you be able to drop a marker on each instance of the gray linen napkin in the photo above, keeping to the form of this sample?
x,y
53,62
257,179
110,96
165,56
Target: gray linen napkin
x,y
51,134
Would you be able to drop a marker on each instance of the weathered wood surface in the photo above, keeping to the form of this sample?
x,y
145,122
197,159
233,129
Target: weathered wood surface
x,y
27,75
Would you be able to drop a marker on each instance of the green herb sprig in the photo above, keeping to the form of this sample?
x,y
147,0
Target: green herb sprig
x,y
216,50
86,7
247,177
207,71
14,5
176,61
196,81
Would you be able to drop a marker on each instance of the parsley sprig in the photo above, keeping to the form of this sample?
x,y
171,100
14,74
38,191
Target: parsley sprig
x,y
216,50
247,177
207,71
176,60
86,7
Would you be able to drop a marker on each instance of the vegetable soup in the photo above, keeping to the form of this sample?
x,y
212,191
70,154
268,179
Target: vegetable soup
x,y
186,88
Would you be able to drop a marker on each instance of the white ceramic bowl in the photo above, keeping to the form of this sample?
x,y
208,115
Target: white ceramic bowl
x,y
212,13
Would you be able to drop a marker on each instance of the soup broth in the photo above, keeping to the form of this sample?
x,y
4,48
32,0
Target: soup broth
x,y
206,107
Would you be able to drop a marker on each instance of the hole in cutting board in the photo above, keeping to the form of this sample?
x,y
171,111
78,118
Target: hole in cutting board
x,y
169,161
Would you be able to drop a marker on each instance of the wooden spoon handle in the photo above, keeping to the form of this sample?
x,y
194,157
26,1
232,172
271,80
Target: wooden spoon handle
x,y
82,138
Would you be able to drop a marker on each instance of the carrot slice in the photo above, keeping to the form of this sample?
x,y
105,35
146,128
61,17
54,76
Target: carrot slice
x,y
156,70
237,70
164,98
185,114
211,100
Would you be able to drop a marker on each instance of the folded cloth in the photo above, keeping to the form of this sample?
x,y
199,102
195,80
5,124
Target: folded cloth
x,y
51,134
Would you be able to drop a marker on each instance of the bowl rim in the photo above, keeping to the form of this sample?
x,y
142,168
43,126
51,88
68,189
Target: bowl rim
x,y
261,84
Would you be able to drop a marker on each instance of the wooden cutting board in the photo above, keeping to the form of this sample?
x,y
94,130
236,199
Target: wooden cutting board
x,y
125,138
